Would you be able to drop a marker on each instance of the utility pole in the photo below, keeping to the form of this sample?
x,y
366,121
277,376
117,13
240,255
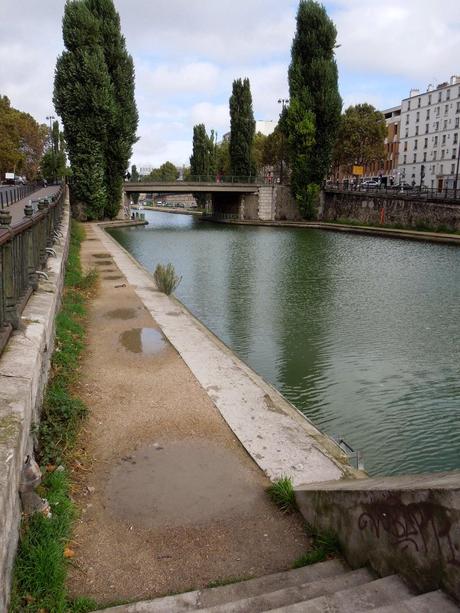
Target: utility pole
x,y
284,102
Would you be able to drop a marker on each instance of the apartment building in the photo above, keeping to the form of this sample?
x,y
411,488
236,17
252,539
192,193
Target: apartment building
x,y
387,167
429,136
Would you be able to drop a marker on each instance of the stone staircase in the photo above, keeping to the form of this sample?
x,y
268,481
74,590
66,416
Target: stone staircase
x,y
330,587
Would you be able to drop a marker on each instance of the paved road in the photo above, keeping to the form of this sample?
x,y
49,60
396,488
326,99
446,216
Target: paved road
x,y
17,209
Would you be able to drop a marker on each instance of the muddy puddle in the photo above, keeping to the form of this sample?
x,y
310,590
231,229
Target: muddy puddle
x,y
147,341
121,314
179,483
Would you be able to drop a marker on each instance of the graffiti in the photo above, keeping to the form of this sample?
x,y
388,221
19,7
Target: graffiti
x,y
417,525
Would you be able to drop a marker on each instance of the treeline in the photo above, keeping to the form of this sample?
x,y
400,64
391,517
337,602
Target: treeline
x,y
22,141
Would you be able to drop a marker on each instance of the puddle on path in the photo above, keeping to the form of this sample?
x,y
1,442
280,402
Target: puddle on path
x,y
121,314
147,341
184,482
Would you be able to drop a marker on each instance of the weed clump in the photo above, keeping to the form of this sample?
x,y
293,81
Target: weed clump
x,y
282,494
166,279
325,545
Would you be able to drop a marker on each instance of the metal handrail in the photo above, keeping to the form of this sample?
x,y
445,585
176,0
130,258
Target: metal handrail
x,y
268,179
24,250
450,195
14,193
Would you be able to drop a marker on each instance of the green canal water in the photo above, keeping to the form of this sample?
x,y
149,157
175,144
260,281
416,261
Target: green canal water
x,y
359,333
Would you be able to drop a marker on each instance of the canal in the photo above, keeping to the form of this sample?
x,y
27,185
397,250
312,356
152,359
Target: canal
x,y
359,333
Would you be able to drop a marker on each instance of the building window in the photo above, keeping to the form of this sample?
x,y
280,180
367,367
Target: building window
x,y
455,138
417,117
407,133
416,130
448,94
454,153
405,146
452,169
425,145
446,109
436,140
438,111
404,159
419,102
415,158
434,155
407,120
424,156
457,122
442,153
445,124
443,139
415,143
458,107
436,126
427,114
441,169
439,96
427,128
429,97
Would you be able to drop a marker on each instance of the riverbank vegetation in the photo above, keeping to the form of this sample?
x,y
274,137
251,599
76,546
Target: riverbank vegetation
x,y
166,279
44,549
282,494
325,545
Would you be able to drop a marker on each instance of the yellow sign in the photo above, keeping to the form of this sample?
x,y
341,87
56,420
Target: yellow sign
x,y
358,170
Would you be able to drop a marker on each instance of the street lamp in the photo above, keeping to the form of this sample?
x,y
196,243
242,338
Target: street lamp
x,y
50,119
284,102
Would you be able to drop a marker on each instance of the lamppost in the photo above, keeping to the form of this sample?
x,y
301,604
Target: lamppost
x,y
284,102
50,119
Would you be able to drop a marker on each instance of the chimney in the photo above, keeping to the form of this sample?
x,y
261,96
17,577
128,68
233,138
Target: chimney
x,y
454,79
430,87
414,92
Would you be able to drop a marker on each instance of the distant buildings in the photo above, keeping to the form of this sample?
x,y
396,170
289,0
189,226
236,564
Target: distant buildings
x,y
429,140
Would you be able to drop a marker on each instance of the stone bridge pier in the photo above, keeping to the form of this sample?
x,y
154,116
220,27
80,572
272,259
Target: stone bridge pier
x,y
269,203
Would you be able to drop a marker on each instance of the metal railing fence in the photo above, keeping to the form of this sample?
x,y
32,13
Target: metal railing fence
x,y
10,195
269,179
398,191
24,250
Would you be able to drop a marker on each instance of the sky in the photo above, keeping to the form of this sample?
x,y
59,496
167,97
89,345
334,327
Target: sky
x,y
188,52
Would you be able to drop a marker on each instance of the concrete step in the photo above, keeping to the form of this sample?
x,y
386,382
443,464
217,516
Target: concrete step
x,y
432,602
369,597
235,591
281,599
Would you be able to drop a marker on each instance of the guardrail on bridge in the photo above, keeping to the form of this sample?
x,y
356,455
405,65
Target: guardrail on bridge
x,y
24,249
11,195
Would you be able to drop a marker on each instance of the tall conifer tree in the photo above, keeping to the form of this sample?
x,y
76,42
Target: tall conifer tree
x,y
242,129
313,116
94,94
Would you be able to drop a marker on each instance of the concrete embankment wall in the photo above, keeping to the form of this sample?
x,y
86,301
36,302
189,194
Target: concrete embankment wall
x,y
408,525
24,367
367,208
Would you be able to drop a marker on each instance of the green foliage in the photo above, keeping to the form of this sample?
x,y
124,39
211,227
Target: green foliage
x,y
134,179
223,167
53,164
361,136
22,141
312,119
166,172
325,545
242,129
282,494
203,158
94,95
274,150
40,566
166,279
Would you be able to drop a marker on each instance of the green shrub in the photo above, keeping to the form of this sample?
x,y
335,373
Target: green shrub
x,y
166,278
282,494
324,545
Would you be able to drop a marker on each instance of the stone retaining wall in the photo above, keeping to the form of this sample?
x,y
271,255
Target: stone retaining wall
x,y
24,367
409,525
372,208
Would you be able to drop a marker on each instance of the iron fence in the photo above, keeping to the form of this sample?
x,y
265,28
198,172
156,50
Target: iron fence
x,y
398,191
10,195
267,179
24,250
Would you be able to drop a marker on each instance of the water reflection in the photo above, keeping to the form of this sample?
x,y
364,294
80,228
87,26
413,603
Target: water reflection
x,y
359,333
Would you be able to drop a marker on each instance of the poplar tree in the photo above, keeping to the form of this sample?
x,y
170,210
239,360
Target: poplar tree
x,y
312,119
203,158
94,95
242,129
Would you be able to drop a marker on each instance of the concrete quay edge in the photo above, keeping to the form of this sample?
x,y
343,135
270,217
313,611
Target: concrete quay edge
x,y
418,235
279,438
24,366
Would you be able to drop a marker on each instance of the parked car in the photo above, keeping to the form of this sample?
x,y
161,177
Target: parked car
x,y
369,184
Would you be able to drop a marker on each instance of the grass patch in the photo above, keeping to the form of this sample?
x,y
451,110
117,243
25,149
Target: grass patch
x,y
40,566
166,278
325,545
282,494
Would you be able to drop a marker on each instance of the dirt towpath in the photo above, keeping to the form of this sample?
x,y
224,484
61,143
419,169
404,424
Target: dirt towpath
x,y
169,499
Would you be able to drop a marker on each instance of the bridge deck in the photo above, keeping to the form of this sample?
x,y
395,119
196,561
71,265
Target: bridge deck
x,y
190,187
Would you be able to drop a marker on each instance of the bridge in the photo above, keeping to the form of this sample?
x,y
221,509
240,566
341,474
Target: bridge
x,y
244,198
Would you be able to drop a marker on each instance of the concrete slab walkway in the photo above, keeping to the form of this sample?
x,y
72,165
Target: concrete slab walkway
x,y
169,498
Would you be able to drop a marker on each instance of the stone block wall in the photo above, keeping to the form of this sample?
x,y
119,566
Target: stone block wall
x,y
266,210
286,208
372,208
408,525
24,367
